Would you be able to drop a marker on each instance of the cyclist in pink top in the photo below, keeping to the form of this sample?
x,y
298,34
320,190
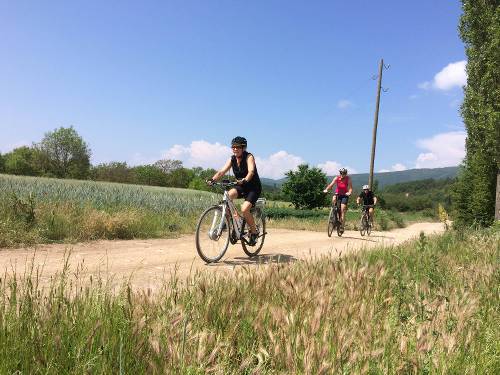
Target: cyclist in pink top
x,y
343,191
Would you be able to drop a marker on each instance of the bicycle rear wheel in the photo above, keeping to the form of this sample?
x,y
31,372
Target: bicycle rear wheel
x,y
260,223
331,222
210,244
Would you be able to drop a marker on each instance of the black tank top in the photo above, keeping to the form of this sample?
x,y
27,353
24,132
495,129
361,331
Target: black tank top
x,y
242,171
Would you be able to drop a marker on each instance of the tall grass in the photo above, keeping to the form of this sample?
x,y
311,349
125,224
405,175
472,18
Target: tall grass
x,y
431,306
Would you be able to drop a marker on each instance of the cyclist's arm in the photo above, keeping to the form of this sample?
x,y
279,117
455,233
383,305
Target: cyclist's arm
x,y
334,181
374,200
251,168
349,186
222,171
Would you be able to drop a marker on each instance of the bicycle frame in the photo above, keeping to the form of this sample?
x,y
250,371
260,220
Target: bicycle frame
x,y
227,204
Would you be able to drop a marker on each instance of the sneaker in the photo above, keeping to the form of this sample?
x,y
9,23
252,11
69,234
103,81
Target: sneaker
x,y
253,239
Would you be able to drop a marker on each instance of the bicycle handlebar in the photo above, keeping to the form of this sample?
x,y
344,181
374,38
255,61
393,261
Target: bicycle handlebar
x,y
223,183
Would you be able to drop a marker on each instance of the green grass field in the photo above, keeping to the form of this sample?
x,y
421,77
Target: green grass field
x,y
44,210
430,306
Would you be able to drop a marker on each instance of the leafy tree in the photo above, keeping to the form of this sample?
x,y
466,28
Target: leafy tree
x,y
149,175
180,178
304,188
2,163
21,161
475,190
168,165
114,172
64,154
198,183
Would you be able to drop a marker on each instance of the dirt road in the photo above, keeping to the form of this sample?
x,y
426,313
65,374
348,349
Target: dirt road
x,y
148,262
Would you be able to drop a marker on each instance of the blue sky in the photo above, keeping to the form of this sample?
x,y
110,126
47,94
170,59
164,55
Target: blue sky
x,y
151,79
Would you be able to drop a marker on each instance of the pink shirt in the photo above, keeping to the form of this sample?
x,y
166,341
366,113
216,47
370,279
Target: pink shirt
x,y
342,185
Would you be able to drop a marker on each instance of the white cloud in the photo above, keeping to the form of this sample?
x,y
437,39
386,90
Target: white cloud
x,y
344,104
331,168
395,168
276,165
398,167
442,150
200,154
452,75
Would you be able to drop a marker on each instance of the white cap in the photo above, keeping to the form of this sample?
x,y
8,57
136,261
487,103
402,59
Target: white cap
x,y
365,187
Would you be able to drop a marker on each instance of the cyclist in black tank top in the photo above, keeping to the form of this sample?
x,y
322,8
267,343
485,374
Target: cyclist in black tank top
x,y
249,186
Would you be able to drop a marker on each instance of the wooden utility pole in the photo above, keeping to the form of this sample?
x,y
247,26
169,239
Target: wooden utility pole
x,y
375,124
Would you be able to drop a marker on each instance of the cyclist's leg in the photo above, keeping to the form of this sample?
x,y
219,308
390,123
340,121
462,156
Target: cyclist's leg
x,y
245,210
343,210
334,199
233,194
250,199
371,212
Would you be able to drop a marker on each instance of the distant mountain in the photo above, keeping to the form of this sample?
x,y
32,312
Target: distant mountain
x,y
387,178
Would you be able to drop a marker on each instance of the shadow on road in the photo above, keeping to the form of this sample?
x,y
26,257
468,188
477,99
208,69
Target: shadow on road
x,y
259,259
359,238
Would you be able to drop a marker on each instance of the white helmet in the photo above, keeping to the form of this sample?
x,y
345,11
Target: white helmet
x,y
366,187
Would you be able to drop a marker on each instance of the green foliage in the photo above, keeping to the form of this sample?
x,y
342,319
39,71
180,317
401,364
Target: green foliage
x,y
149,175
2,163
423,195
180,177
64,154
475,190
304,188
112,172
21,161
286,212
198,183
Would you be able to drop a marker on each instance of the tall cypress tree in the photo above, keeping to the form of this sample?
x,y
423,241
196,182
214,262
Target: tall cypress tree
x,y
475,191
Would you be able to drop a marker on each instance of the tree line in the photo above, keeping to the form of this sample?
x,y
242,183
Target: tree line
x,y
63,153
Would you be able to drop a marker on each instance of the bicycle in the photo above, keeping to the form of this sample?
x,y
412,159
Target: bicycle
x,y
334,219
218,225
365,224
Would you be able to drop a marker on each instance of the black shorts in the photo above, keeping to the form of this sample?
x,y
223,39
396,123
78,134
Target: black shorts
x,y
249,195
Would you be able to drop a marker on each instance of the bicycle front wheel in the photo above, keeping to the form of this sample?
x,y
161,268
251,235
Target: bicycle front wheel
x,y
362,227
331,222
211,242
368,226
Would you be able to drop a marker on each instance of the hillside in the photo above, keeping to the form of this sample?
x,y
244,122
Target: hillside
x,y
388,178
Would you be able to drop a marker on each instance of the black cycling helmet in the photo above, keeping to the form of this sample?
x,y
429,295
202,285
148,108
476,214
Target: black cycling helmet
x,y
239,141
343,171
